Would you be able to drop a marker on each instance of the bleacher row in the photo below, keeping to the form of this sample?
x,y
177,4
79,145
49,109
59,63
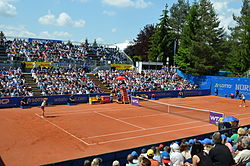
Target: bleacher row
x,y
71,81
230,147
53,51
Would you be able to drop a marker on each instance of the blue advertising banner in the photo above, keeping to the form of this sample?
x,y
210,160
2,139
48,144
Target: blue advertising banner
x,y
62,99
162,94
221,86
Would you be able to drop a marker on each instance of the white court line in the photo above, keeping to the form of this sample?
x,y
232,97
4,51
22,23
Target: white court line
x,y
119,120
125,132
65,131
158,133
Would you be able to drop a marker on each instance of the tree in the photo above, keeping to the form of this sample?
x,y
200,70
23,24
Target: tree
x,y
178,14
86,43
95,44
138,51
162,41
239,60
2,37
200,50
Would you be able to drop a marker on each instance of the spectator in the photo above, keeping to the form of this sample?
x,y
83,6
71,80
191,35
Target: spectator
x,y
220,154
208,145
143,152
150,155
130,161
184,149
116,163
87,163
144,162
243,156
135,157
157,155
176,157
96,162
199,157
165,159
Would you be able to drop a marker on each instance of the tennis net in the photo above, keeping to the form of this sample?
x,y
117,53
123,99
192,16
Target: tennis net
x,y
188,112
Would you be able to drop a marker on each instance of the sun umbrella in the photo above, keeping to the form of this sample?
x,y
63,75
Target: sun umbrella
x,y
230,119
120,78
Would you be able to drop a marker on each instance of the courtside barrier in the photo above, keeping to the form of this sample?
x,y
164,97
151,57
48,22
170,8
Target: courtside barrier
x,y
62,99
121,156
174,93
52,100
220,86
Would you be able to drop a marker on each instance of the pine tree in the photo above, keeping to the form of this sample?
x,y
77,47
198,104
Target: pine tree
x,y
95,44
162,41
200,50
239,60
178,14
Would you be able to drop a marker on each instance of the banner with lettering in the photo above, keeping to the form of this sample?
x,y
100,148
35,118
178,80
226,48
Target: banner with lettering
x,y
214,117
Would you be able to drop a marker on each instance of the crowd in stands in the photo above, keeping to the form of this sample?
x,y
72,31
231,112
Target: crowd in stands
x,y
147,80
12,83
220,150
60,81
51,51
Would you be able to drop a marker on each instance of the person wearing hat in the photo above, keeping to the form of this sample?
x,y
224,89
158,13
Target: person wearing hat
x,y
150,155
165,159
176,157
220,154
135,157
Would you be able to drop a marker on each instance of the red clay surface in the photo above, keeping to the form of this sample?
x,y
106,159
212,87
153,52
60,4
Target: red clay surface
x,y
82,130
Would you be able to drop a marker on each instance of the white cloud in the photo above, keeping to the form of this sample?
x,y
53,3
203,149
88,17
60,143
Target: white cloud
x,y
113,30
7,9
109,13
99,40
22,31
16,31
225,13
55,35
128,3
63,19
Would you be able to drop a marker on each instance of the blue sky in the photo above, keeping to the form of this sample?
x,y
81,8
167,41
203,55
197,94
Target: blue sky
x,y
107,21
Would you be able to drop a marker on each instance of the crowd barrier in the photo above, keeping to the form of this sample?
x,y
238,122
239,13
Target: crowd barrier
x,y
221,86
121,156
62,99
52,100
175,93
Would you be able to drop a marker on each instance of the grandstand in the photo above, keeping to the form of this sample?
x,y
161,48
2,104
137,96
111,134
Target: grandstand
x,y
73,134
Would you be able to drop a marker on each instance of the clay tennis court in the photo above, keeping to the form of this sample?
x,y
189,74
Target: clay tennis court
x,y
81,130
